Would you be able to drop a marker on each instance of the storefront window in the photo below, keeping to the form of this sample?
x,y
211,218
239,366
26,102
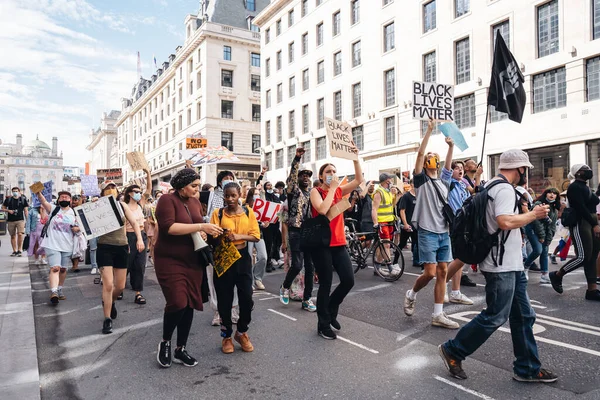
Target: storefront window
x,y
593,160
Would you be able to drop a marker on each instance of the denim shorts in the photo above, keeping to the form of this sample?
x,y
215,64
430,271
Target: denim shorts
x,y
57,258
434,247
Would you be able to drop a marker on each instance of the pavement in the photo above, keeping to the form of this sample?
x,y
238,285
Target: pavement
x,y
380,353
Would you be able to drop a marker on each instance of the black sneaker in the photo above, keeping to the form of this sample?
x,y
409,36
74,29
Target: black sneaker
x,y
54,298
544,376
454,366
107,326
19,254
181,356
327,334
466,281
14,254
335,324
534,267
113,312
556,282
592,295
164,354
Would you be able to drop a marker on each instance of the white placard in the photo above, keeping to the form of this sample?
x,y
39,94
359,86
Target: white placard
x,y
433,101
100,217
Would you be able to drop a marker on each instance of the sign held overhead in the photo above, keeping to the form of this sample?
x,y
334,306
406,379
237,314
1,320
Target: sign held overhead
x,y
339,138
137,161
433,101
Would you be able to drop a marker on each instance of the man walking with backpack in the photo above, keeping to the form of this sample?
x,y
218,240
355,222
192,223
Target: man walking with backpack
x,y
18,211
506,285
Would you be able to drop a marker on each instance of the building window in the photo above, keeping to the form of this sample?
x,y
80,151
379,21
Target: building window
x,y
320,72
278,60
226,78
180,124
389,41
549,90
504,28
307,151
337,63
358,137
256,112
390,131
198,112
321,148
180,95
305,43
463,61
291,124
320,34
464,111
305,119
278,28
278,158
596,19
256,144
268,132
227,109
386,2
227,140
279,128
429,16
336,24
268,67
268,160
279,93
547,28
191,87
268,98
291,153
592,78
337,101
320,113
390,88
356,59
255,59
429,67
292,86
318,3
189,116
461,7
198,83
227,53
304,8
251,5
305,80
255,83
355,12
267,35
291,17
356,100
291,52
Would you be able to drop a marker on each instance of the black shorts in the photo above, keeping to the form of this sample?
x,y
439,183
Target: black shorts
x,y
109,255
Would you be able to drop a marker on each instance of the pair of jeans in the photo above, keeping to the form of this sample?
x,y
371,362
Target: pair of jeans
x,y
414,238
136,261
261,258
238,275
326,260
434,247
93,247
506,298
300,259
537,250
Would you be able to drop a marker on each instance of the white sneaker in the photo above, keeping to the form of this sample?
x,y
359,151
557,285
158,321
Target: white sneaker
x,y
38,262
544,279
280,262
216,319
409,305
460,299
443,321
259,285
235,314
94,271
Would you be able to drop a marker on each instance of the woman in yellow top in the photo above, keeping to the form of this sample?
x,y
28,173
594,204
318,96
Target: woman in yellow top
x,y
240,227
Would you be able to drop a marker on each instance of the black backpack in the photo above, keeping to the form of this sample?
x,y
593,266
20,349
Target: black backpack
x,y
471,240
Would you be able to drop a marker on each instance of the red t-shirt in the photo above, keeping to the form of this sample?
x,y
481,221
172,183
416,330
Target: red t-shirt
x,y
338,236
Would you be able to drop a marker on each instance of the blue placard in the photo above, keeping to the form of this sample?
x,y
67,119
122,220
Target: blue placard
x,y
450,129
47,192
89,185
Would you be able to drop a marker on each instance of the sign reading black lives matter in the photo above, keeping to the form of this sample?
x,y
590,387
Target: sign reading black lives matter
x,y
433,101
100,217
339,136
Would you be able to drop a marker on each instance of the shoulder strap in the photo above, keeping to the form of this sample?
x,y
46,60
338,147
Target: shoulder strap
x,y
246,211
220,215
452,186
437,190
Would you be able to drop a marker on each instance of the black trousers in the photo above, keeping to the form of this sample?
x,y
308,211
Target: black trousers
x,y
180,319
414,238
238,275
136,261
299,259
587,248
326,261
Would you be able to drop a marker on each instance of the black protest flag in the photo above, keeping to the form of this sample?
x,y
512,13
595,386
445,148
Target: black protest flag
x,y
507,93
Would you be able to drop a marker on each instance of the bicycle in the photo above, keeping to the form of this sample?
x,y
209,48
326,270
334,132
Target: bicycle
x,y
390,269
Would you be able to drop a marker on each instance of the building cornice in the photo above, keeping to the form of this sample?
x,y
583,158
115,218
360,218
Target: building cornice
x,y
99,136
269,12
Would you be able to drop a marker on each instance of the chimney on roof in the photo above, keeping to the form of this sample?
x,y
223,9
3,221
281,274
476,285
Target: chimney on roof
x,y
19,143
54,146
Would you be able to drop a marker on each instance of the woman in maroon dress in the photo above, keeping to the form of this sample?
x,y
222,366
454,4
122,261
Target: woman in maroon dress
x,y
178,267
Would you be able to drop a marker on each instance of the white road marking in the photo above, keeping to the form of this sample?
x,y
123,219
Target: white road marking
x,y
547,317
540,307
268,298
282,314
376,287
360,346
464,389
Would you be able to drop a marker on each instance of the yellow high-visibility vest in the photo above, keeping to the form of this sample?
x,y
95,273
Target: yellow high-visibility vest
x,y
385,212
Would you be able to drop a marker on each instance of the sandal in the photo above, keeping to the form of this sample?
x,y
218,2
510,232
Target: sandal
x,y
120,297
139,299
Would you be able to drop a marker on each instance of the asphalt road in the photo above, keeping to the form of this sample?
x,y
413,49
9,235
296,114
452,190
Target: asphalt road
x,y
381,354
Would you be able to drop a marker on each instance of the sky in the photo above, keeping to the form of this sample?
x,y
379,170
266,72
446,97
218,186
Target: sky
x,y
64,62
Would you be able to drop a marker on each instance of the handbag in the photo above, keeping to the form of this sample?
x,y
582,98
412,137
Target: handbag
x,y
447,211
568,217
315,232
26,242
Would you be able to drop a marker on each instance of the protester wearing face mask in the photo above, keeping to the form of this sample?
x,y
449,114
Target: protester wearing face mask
x,y
260,259
273,234
585,234
18,212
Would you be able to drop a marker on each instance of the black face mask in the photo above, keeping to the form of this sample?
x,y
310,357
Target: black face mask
x,y
586,174
64,203
522,177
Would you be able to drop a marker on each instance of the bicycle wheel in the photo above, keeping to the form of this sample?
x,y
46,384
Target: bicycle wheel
x,y
356,255
392,266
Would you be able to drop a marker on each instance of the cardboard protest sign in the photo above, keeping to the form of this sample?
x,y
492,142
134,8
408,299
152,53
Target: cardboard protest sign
x,y
89,185
46,192
209,155
164,187
433,101
266,211
113,174
137,161
100,217
195,142
37,187
339,138
338,208
451,130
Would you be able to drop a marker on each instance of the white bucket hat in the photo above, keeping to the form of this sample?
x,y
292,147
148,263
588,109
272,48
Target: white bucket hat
x,y
575,169
514,158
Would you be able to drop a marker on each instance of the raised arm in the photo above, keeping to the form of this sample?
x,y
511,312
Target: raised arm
x,y
44,202
358,177
423,148
450,143
262,175
292,180
148,191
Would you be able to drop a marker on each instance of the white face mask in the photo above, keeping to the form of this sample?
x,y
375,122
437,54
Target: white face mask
x,y
225,182
256,197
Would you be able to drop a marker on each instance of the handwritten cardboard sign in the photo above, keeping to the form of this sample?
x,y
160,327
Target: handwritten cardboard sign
x,y
46,192
37,187
164,187
195,142
339,138
137,161
112,174
433,101
100,217
338,208
266,211
89,185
